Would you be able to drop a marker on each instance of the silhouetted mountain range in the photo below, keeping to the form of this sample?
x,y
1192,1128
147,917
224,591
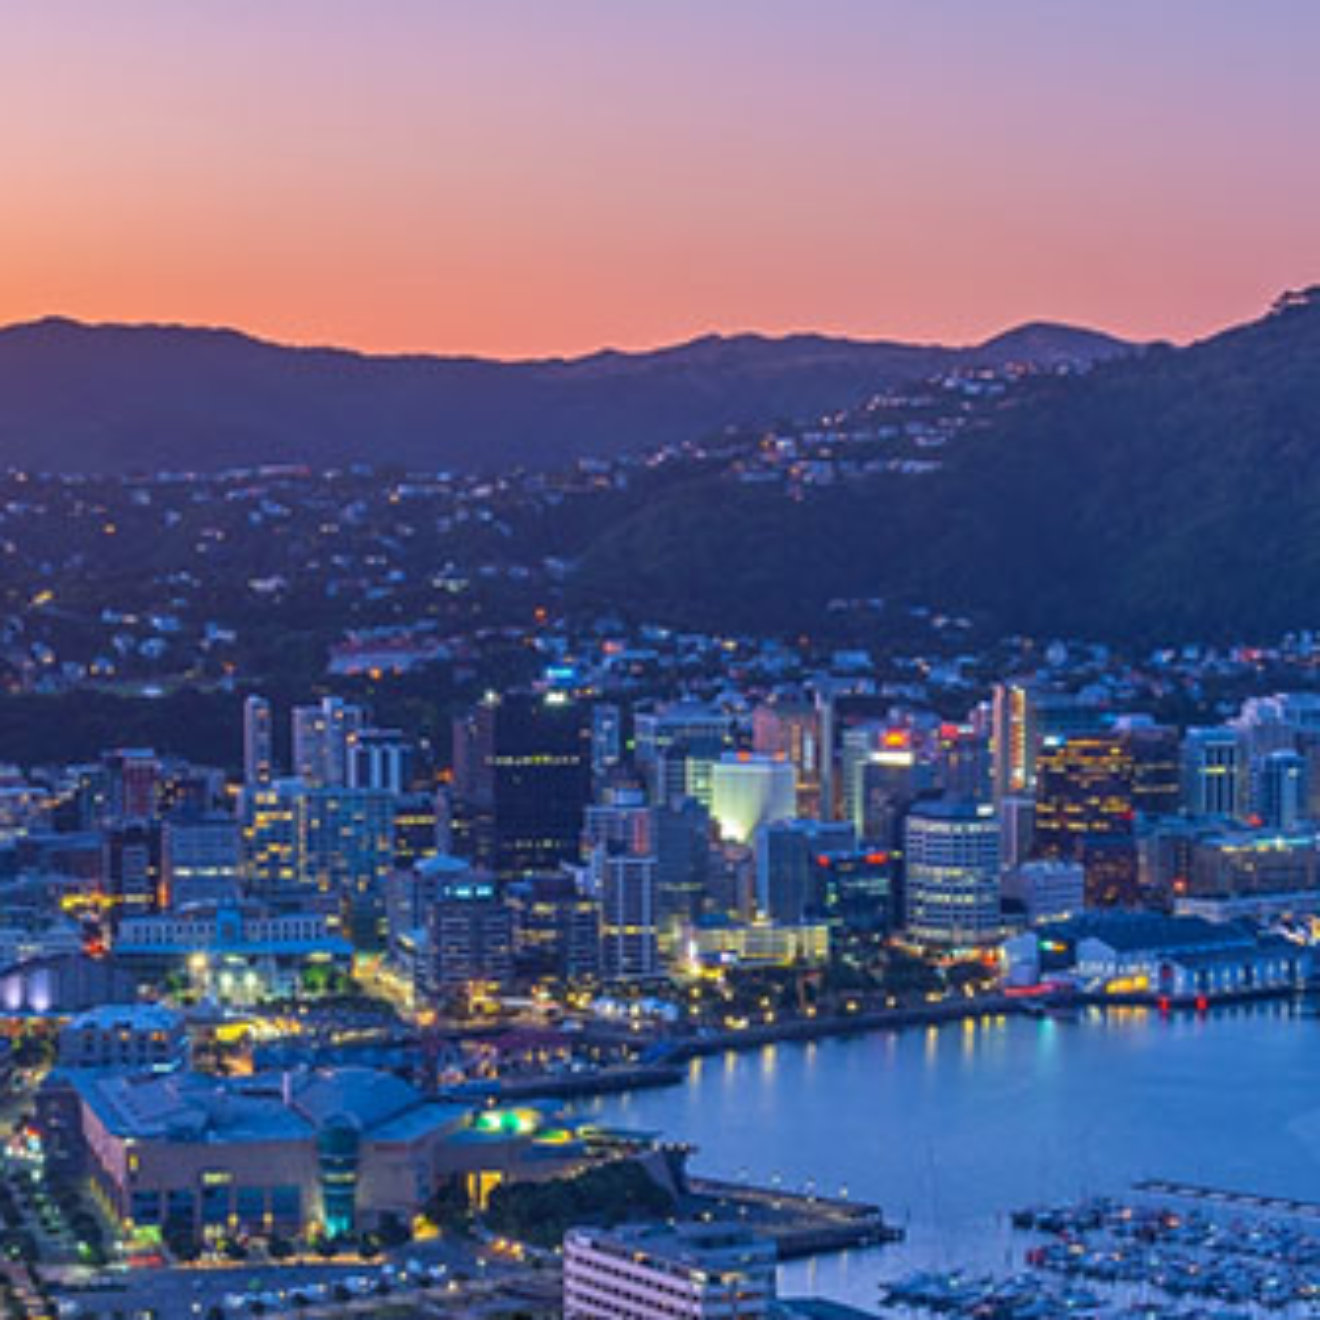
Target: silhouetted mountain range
x,y
1169,494
110,398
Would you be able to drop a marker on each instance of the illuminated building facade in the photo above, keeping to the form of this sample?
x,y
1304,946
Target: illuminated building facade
x,y
952,883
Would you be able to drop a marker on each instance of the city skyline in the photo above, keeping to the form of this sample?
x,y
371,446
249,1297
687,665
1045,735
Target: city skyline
x,y
508,181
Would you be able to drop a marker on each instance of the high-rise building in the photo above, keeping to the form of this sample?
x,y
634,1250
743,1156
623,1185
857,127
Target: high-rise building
x,y
470,929
952,881
380,759
201,860
1213,772
791,729
629,917
748,791
321,736
1280,790
675,746
1047,890
258,741
682,858
1023,715
522,779
858,890
133,783
786,853
304,841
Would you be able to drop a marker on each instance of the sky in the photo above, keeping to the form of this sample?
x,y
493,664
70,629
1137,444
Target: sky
x,y
536,177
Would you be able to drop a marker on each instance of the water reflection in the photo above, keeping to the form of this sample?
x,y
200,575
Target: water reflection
x,y
949,1128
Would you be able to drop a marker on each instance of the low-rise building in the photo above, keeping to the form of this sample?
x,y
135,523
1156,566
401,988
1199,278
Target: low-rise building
x,y
129,1036
702,1271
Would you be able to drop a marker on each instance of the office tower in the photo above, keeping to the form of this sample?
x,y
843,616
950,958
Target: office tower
x,y
791,729
380,759
1013,740
201,860
1047,889
522,779
885,769
320,741
963,762
300,842
675,745
682,857
420,827
1254,875
1212,765
952,884
748,791
1281,792
258,741
629,917
132,783
606,740
1023,714
556,927
1156,767
470,929
1085,811
131,866
1017,829
184,789
785,855
621,822
1084,788
858,890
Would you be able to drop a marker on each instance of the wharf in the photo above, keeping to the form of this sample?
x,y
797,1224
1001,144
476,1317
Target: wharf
x,y
1220,1200
800,1224
566,1086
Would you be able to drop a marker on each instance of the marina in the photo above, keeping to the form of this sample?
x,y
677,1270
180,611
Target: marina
x,y
948,1128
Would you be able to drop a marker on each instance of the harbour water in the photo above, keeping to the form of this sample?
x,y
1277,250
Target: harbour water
x,y
950,1128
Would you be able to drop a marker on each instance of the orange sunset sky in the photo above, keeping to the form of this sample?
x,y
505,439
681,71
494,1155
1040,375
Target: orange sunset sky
x,y
553,176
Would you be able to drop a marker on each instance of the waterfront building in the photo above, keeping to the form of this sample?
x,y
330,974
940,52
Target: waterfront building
x,y
713,1271
335,1150
721,941
1130,953
952,884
